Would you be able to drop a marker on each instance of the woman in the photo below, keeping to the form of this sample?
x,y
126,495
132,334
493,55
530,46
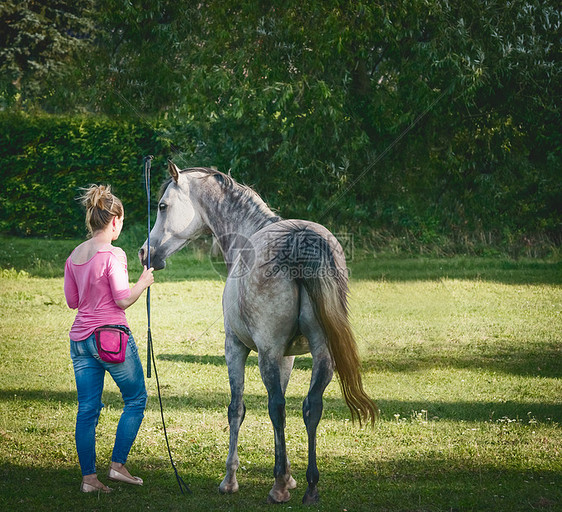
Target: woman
x,y
97,283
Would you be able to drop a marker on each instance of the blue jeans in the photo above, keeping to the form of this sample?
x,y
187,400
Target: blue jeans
x,y
89,371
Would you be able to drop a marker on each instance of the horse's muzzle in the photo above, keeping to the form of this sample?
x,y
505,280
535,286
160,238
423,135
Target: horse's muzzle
x,y
155,262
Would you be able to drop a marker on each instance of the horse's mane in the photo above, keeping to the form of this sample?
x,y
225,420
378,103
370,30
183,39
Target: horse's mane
x,y
241,192
224,179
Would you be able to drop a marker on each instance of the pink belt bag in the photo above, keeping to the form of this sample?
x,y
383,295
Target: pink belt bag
x,y
111,341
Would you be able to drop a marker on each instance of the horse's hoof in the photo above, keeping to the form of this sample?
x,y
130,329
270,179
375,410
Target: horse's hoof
x,y
310,497
278,498
228,488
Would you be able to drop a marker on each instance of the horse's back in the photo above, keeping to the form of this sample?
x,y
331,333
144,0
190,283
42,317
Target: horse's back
x,y
296,242
266,300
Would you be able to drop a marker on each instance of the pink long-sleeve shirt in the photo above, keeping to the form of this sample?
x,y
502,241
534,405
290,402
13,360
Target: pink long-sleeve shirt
x,y
93,287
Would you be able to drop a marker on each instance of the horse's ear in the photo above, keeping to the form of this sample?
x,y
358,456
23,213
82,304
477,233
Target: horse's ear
x,y
173,170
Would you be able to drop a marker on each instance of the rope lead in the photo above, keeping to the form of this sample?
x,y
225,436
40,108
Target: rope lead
x,y
147,166
150,352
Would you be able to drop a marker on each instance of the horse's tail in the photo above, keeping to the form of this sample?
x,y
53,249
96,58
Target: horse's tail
x,y
327,288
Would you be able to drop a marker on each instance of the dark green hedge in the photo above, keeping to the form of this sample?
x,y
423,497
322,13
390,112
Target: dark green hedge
x,y
439,205
46,159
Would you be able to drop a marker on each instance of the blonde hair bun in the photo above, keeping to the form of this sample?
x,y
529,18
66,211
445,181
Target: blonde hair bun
x,y
96,196
101,206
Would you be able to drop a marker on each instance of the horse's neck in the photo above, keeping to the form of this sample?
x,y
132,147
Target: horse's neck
x,y
236,218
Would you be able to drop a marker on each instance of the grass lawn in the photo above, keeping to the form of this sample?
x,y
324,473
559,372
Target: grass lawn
x,y
462,355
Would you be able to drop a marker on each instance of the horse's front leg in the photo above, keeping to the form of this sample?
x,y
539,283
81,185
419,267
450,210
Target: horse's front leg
x,y
286,369
271,375
236,354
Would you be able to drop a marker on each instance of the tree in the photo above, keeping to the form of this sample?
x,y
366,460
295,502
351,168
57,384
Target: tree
x,y
38,40
424,117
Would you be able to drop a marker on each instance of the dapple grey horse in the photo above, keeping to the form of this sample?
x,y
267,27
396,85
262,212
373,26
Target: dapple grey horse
x,y
285,294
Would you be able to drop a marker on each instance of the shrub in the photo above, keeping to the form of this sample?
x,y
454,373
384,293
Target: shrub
x,y
46,159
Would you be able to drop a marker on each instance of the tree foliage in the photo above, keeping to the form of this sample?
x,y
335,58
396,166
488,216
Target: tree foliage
x,y
38,41
426,118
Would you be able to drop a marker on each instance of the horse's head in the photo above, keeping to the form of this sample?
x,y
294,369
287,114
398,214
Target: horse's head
x,y
178,220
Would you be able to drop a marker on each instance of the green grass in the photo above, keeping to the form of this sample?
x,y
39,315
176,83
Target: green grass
x,y
463,356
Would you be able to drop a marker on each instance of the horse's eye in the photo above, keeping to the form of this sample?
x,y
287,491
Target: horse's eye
x,y
162,207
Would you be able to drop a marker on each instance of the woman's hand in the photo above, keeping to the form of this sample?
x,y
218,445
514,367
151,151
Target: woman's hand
x,y
145,280
147,277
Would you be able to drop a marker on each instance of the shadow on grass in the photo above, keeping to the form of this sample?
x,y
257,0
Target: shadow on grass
x,y
26,488
544,361
301,362
499,270
334,407
202,359
46,258
424,481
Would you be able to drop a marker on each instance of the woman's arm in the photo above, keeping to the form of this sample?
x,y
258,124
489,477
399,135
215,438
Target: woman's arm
x,y
145,280
70,288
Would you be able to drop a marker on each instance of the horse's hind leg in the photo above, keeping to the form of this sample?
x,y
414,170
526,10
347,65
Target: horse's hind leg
x,y
322,372
271,373
236,354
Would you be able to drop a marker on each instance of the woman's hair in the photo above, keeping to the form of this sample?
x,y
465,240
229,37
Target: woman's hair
x,y
101,206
